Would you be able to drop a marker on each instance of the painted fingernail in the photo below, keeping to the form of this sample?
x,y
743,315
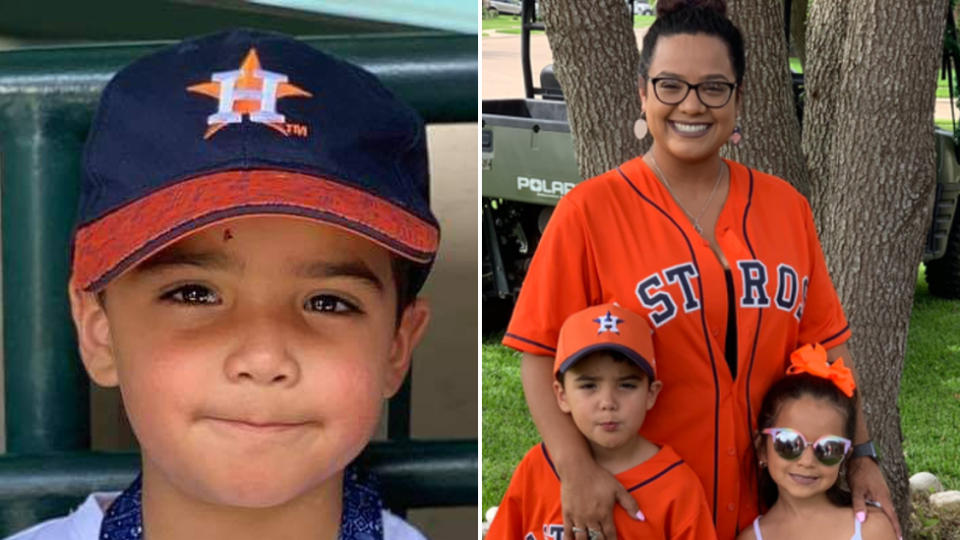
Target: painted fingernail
x,y
861,516
640,516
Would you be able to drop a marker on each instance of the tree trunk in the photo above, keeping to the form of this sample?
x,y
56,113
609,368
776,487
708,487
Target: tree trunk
x,y
826,36
595,60
771,132
870,141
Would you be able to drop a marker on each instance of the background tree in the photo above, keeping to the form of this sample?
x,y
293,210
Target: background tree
x,y
865,156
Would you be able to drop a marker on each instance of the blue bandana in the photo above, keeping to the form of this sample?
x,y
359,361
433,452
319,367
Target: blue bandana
x,y
361,518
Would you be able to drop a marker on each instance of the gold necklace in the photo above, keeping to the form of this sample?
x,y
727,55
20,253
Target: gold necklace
x,y
694,220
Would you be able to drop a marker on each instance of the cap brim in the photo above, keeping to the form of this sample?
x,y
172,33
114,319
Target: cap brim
x,y
116,242
633,355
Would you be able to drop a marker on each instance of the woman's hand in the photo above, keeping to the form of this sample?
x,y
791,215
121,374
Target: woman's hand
x,y
588,494
867,483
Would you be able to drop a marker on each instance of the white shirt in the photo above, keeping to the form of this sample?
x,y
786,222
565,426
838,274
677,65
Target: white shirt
x,y
84,524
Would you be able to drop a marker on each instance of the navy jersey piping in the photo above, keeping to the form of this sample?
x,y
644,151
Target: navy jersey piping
x,y
658,475
530,341
546,455
835,336
668,468
756,334
706,339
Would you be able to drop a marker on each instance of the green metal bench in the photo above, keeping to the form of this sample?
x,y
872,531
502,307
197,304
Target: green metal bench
x,y
47,99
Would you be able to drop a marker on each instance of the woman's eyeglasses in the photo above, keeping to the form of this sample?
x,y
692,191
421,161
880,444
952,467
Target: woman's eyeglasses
x,y
788,444
713,94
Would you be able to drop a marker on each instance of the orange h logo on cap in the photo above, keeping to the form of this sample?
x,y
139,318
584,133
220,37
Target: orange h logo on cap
x,y
250,91
608,323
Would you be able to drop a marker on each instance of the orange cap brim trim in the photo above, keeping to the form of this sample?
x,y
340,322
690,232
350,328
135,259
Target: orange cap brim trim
x,y
105,248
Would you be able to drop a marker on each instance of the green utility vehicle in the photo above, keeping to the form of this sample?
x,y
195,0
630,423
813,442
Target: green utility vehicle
x,y
528,163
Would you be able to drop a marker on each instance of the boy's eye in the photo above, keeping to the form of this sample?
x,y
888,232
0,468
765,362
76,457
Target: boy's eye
x,y
329,303
192,294
629,385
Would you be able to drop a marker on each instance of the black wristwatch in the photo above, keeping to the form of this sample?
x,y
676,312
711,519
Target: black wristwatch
x,y
865,450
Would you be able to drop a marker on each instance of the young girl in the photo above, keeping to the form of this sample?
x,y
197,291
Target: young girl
x,y
806,426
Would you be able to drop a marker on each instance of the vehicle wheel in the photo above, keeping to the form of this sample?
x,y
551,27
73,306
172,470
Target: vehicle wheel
x,y
943,274
492,12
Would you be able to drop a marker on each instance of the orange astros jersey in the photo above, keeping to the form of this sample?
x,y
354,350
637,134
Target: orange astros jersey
x,y
668,492
620,237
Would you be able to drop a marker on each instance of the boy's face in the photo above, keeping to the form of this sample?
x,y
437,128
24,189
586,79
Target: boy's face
x,y
608,399
253,356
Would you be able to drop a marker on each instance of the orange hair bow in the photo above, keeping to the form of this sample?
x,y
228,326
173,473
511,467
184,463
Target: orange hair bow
x,y
812,359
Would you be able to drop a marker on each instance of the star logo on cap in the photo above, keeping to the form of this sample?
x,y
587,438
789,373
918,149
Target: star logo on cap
x,y
252,92
608,323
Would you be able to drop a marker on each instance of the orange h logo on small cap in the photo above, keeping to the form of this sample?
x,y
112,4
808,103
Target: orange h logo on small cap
x,y
606,327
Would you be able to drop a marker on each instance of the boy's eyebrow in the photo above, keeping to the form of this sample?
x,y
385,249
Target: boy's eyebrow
x,y
353,269
177,257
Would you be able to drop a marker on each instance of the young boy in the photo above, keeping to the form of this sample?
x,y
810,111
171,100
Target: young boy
x,y
606,381
252,234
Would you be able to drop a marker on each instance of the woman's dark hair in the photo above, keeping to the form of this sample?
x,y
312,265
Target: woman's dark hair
x,y
707,17
793,387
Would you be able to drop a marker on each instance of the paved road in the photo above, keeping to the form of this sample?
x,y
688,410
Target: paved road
x,y
503,74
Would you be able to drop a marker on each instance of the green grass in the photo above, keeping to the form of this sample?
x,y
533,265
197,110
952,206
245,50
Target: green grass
x,y
929,400
943,89
502,23
508,24
508,431
930,388
944,123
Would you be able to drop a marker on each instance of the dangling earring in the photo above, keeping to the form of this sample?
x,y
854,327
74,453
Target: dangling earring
x,y
762,464
640,126
736,136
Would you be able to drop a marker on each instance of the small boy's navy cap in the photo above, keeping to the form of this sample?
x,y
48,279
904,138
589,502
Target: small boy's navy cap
x,y
248,123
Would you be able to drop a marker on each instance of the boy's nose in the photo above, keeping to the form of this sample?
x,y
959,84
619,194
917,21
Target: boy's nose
x,y
608,401
262,355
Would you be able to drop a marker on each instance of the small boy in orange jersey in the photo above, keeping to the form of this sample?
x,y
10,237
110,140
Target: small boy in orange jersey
x,y
606,381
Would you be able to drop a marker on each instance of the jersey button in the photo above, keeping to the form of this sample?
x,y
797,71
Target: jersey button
x,y
731,507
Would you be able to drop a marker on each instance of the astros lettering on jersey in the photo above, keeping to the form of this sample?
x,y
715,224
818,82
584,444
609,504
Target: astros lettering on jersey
x,y
620,237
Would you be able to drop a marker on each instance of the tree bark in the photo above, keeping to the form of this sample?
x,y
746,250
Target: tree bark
x,y
595,60
870,141
826,36
771,132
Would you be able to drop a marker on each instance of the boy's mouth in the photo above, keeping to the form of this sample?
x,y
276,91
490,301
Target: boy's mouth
x,y
257,426
610,426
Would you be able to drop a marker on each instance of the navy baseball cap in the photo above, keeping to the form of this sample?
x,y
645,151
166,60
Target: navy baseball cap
x,y
247,123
